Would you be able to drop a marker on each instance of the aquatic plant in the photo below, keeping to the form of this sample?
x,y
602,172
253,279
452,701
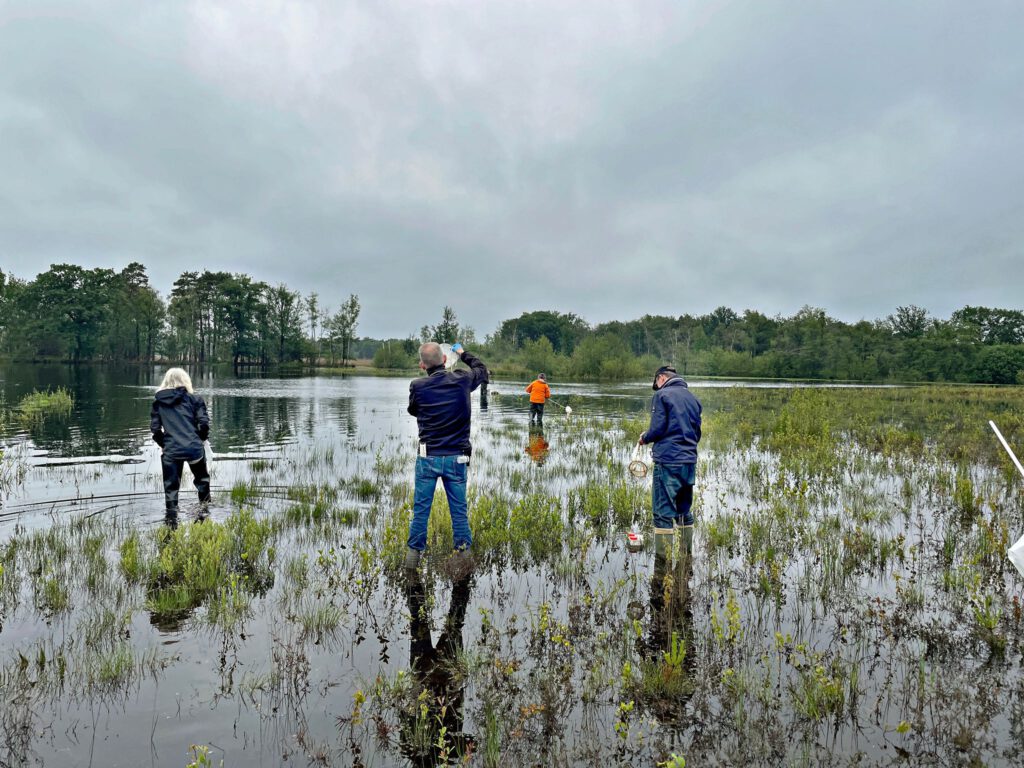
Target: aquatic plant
x,y
37,406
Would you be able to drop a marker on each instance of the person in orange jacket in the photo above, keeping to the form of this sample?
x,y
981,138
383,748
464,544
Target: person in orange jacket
x,y
539,394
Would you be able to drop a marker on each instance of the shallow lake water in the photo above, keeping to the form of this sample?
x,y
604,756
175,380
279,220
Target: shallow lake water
x,y
847,599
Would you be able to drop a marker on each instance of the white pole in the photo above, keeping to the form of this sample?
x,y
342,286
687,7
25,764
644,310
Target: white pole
x,y
1016,552
1007,447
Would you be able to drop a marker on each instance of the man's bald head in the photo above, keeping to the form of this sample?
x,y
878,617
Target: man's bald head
x,y
431,354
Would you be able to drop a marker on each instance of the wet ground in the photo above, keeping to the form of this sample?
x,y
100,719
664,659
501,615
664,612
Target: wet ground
x,y
847,599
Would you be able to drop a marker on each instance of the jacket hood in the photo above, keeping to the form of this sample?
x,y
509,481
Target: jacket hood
x,y
171,396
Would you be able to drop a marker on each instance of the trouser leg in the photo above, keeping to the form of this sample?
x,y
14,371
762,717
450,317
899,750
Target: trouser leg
x,y
663,498
427,472
454,479
171,469
201,479
684,504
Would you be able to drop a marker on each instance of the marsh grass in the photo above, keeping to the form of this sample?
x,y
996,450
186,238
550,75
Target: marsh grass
x,y
220,564
37,406
849,594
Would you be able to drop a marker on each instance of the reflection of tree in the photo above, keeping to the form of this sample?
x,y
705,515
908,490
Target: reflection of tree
x,y
431,734
345,413
109,415
245,421
537,447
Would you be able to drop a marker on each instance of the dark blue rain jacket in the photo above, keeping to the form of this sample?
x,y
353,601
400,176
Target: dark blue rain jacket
x,y
440,403
675,424
179,423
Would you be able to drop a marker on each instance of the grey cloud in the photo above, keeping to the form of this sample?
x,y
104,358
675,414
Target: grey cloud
x,y
606,158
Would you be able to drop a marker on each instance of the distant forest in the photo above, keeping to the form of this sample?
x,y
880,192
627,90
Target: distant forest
x,y
73,314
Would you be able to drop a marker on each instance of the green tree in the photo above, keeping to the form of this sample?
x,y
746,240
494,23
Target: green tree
x,y
342,325
285,315
71,306
538,356
393,354
909,322
604,356
447,331
1000,364
563,330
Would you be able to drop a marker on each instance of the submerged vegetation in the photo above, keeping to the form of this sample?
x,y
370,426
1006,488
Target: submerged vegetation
x,y
847,599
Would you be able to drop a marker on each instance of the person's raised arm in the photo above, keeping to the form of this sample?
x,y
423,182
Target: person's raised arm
x,y
476,366
414,406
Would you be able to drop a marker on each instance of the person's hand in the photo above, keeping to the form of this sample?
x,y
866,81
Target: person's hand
x,y
640,441
458,349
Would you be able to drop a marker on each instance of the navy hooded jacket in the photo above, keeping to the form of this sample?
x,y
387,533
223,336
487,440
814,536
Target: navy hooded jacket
x,y
179,423
440,403
675,424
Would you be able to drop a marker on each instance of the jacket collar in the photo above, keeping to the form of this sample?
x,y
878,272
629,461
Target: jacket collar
x,y
435,369
675,380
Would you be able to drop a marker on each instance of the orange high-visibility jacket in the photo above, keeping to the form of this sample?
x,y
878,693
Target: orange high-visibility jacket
x,y
539,391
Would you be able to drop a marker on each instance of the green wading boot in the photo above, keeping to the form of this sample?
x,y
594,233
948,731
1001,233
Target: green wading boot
x,y
412,559
685,539
685,562
663,538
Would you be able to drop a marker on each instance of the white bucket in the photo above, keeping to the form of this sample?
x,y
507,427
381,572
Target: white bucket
x,y
450,357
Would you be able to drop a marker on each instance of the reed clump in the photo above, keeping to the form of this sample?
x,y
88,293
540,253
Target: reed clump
x,y
181,568
36,406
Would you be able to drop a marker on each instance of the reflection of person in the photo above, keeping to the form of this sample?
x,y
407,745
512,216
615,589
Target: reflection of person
x,y
669,644
440,403
675,431
434,667
539,394
180,423
537,448
483,390
671,609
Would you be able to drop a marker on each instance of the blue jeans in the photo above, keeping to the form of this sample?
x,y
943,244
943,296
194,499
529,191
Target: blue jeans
x,y
453,475
672,492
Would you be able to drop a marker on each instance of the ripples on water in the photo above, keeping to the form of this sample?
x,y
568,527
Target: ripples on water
x,y
273,692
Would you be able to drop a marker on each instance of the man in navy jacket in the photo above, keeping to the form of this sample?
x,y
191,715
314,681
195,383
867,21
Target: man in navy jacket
x,y
441,404
674,431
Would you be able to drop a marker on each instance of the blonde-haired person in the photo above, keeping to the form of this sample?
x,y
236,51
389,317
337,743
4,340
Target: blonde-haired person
x,y
180,423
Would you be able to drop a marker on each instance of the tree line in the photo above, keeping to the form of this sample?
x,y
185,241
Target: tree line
x,y
77,314
976,344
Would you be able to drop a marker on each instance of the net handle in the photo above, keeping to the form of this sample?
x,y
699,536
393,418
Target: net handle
x,y
1006,445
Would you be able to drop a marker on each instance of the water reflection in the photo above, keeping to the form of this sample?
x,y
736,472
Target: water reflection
x,y
107,416
668,647
110,416
441,685
537,448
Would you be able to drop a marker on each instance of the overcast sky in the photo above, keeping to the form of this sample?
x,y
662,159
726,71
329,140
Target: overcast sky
x,y
606,158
